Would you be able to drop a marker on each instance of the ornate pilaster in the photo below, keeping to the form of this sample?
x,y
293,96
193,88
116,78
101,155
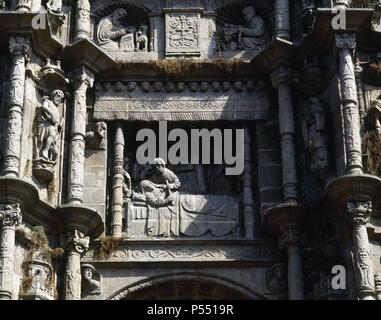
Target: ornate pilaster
x,y
281,79
117,183
83,80
24,5
83,22
248,201
292,240
346,43
10,218
359,213
282,19
76,244
19,48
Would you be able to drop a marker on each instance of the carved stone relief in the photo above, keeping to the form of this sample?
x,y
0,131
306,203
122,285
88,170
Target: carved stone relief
x,y
276,279
251,35
113,33
91,284
96,137
182,33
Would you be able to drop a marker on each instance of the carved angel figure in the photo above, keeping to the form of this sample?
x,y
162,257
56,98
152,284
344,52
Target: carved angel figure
x,y
252,35
111,30
48,127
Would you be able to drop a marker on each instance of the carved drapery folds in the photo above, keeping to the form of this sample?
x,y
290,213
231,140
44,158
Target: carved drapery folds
x,y
113,33
83,22
252,35
76,244
281,79
346,43
292,239
48,127
83,80
359,214
10,218
19,48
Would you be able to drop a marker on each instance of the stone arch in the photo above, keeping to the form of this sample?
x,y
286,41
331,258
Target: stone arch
x,y
186,286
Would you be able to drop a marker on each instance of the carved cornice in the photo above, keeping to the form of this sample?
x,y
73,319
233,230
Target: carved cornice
x,y
10,216
359,211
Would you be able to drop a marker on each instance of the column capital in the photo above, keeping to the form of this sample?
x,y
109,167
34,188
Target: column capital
x,y
82,77
19,46
359,212
292,236
76,241
10,216
282,74
345,40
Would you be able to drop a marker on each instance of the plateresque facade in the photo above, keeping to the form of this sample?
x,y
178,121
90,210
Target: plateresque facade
x,y
81,218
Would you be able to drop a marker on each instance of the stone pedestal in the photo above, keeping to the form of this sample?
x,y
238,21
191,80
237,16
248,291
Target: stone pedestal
x,y
10,218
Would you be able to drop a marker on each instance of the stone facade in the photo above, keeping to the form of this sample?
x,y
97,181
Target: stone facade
x,y
82,218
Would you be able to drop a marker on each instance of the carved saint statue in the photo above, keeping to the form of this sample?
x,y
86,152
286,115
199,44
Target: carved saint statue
x,y
251,36
112,35
89,284
315,135
49,126
141,39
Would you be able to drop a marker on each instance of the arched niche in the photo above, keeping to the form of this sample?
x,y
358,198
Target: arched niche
x,y
186,286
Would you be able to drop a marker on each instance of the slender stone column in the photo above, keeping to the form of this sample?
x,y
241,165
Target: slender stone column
x,y
19,48
359,213
83,79
281,78
248,201
117,183
83,22
10,218
292,240
282,19
76,244
346,43
360,92
24,5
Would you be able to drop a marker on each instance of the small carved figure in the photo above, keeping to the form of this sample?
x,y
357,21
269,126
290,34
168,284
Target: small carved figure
x,y
276,279
374,116
204,86
55,6
90,286
181,87
146,87
119,86
170,87
315,135
48,127
97,139
226,85
252,36
216,86
111,29
250,85
141,38
158,86
238,86
131,86
193,86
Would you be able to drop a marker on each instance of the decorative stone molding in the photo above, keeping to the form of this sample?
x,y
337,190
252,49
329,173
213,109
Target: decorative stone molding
x,y
83,79
359,213
83,22
10,218
346,43
19,48
76,244
24,5
281,78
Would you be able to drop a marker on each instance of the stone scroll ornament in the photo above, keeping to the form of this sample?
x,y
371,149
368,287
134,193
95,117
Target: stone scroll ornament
x,y
252,35
48,127
113,35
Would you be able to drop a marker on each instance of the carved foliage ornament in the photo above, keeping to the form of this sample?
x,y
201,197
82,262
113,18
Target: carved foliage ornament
x,y
76,241
346,41
10,216
359,211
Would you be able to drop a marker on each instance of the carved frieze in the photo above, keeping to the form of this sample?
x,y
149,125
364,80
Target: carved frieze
x,y
181,101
